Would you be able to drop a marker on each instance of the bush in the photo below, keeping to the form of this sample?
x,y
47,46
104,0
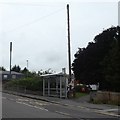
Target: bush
x,y
34,83
78,94
81,88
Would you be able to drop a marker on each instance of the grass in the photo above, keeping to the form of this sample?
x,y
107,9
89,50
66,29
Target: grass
x,y
106,102
78,94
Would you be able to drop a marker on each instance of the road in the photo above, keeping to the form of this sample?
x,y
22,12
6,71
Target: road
x,y
22,107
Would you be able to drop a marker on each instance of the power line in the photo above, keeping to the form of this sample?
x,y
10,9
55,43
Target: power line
x,y
34,21
29,4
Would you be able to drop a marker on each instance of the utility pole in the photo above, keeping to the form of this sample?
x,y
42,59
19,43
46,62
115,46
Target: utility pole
x,y
10,57
27,67
69,52
27,64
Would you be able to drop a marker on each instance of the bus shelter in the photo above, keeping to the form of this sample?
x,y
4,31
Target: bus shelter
x,y
55,85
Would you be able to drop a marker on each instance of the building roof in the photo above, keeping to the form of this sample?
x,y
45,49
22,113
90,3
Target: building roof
x,y
53,75
12,72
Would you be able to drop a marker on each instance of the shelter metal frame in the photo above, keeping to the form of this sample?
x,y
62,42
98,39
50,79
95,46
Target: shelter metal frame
x,y
55,85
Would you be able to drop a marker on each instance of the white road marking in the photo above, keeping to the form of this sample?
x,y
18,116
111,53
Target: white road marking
x,y
41,108
63,113
3,97
107,112
81,107
87,109
11,99
40,103
22,100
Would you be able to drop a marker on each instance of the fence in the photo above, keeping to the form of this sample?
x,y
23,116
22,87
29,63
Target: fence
x,y
21,89
105,97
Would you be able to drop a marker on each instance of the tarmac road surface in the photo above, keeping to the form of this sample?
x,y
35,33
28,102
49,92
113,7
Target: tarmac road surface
x,y
22,107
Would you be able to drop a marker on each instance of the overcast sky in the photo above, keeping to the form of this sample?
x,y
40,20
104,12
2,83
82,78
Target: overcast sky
x,y
38,30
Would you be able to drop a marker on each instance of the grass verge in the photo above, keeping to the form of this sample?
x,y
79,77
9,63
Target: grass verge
x,y
78,94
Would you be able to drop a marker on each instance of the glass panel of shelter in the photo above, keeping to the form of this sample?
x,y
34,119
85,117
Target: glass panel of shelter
x,y
55,86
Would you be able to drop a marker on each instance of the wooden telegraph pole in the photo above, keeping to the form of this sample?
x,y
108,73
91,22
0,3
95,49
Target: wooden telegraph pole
x,y
10,57
69,52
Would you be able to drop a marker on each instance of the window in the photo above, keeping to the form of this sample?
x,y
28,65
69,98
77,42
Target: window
x,y
14,76
5,76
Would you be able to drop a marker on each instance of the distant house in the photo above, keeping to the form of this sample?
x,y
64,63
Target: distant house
x,y
5,75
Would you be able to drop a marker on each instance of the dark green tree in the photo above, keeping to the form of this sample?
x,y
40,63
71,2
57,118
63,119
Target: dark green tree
x,y
2,68
111,65
25,70
28,73
87,65
16,68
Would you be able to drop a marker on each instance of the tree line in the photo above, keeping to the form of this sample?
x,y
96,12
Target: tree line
x,y
30,81
27,72
99,62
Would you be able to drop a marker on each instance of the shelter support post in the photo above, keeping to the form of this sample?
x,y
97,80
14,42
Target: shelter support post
x,y
65,87
48,87
43,87
60,87
57,87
